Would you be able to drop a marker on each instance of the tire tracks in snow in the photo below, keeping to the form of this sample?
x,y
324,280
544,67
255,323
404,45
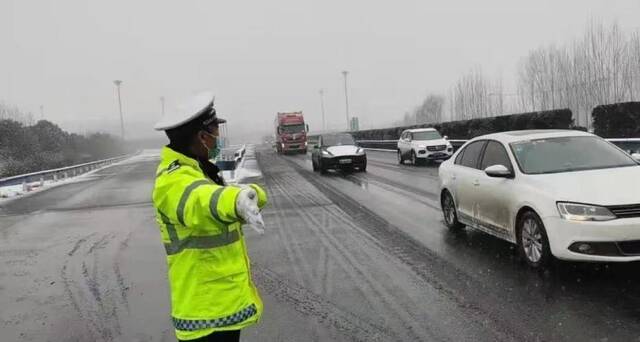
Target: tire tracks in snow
x,y
377,295
384,298
453,283
89,290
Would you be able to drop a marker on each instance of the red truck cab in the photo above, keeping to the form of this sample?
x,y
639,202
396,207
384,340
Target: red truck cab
x,y
291,133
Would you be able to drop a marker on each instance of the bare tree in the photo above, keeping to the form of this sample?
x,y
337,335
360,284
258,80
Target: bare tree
x,y
601,67
471,96
431,109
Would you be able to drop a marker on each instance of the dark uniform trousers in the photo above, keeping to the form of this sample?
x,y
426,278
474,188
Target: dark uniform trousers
x,y
220,336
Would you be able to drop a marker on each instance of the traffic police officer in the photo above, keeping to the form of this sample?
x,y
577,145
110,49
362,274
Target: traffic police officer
x,y
200,218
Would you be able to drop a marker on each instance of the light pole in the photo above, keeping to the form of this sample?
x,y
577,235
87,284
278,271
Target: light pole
x,y
118,83
346,97
324,125
162,102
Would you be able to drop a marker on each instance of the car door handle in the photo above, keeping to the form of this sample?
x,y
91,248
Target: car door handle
x,y
476,182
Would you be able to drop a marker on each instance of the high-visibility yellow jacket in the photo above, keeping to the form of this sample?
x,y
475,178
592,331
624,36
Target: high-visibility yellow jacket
x,y
208,265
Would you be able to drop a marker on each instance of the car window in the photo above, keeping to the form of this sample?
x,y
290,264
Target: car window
x,y
471,154
427,135
566,154
495,154
459,157
338,140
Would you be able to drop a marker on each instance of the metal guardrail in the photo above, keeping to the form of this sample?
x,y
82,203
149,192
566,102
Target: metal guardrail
x,y
57,174
230,157
630,145
392,144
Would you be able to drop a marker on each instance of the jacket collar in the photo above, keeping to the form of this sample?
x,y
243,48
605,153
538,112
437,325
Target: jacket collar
x,y
168,155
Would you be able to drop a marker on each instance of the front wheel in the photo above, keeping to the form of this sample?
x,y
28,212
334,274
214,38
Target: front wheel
x,y
414,158
533,243
450,213
323,169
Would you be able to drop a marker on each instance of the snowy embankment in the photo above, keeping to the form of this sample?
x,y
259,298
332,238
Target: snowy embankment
x,y
246,169
20,190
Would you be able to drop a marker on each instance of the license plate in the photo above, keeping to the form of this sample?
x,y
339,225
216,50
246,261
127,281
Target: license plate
x,y
345,161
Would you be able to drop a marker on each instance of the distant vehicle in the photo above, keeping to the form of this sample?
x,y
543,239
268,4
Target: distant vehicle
x,y
553,193
422,145
337,151
291,133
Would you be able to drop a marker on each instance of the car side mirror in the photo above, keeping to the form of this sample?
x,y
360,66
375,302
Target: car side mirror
x,y
498,171
636,156
446,137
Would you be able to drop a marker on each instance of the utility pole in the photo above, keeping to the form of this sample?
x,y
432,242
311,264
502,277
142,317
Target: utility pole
x,y
162,102
324,125
118,83
346,97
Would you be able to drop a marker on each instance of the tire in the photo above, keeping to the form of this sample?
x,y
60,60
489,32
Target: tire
x,y
323,169
533,243
414,159
450,213
400,159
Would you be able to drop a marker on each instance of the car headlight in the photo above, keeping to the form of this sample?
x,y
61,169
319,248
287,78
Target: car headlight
x,y
326,153
360,151
422,147
584,212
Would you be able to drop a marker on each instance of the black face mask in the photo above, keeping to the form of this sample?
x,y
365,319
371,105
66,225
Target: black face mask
x,y
211,170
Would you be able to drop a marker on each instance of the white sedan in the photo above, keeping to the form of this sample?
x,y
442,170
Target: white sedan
x,y
554,193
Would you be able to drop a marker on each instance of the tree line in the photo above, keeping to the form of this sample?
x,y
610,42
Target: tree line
x,y
601,66
29,147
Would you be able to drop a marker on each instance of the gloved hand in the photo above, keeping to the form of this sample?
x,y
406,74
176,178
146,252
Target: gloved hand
x,y
247,208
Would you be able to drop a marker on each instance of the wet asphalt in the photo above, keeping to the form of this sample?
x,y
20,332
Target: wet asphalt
x,y
345,257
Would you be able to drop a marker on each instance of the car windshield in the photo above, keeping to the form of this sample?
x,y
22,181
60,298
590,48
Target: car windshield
x,y
290,129
428,135
566,154
337,140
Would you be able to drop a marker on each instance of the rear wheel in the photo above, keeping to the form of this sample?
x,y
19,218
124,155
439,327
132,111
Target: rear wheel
x,y
450,213
533,242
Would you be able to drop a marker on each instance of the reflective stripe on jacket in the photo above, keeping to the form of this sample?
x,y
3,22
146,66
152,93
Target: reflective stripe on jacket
x,y
208,265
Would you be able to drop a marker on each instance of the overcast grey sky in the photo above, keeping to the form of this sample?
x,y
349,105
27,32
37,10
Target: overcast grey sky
x,y
261,57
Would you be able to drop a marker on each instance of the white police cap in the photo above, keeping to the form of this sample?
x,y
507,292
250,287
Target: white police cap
x,y
193,108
